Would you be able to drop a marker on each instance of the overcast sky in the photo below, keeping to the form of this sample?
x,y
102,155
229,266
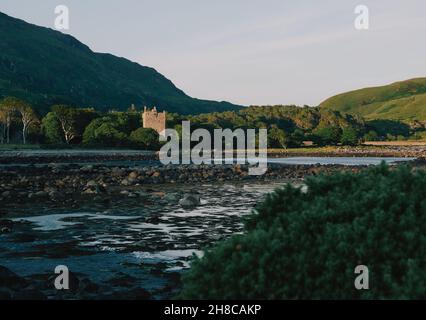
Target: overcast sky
x,y
251,52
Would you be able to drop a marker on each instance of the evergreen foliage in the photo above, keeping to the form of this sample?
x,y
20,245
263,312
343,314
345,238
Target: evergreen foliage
x,y
306,245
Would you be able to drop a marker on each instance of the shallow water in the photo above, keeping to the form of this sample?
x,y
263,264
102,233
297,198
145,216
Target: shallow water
x,y
149,241
350,161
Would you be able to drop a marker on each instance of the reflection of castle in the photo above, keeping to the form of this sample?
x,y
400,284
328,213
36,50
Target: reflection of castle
x,y
154,119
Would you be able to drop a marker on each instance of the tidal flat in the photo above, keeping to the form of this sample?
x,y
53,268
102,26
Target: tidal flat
x,y
128,230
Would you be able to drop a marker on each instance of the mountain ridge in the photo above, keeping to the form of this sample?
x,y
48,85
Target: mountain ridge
x,y
46,67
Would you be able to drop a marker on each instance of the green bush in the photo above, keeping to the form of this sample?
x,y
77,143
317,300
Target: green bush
x,y
106,132
306,245
146,138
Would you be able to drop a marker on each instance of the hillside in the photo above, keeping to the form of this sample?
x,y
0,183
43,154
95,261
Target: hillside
x,y
46,67
404,101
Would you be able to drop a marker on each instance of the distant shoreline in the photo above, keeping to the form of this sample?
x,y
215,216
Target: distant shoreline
x,y
46,156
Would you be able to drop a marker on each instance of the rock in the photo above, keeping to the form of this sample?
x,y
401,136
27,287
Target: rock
x,y
29,294
133,175
190,201
5,230
55,195
86,286
117,172
41,194
6,194
87,168
173,197
10,280
5,294
128,182
156,174
88,191
91,183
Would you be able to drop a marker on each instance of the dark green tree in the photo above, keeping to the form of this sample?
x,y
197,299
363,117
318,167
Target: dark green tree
x,y
105,131
329,135
350,136
52,129
277,138
146,138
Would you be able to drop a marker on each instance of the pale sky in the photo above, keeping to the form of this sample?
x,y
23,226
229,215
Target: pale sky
x,y
251,52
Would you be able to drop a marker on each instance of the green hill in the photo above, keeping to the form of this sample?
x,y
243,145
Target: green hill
x,y
46,67
404,101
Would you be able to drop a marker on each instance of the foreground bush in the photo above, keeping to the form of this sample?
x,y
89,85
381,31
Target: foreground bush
x,y
307,245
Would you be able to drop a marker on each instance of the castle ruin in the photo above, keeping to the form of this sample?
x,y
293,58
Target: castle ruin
x,y
154,119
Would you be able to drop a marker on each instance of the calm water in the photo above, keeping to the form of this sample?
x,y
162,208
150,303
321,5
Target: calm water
x,y
352,161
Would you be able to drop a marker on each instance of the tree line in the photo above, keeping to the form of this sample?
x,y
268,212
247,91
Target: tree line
x,y
66,125
288,126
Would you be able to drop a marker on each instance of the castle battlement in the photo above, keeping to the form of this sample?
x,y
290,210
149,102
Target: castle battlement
x,y
154,119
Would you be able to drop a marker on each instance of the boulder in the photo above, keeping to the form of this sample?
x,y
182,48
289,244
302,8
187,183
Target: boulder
x,y
190,201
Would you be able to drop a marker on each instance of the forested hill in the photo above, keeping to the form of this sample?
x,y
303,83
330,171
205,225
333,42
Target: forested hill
x,y
46,67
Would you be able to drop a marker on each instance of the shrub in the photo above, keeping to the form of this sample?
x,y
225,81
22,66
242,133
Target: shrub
x,y
146,138
307,245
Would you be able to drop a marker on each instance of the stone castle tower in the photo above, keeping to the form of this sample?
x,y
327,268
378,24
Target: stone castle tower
x,y
154,119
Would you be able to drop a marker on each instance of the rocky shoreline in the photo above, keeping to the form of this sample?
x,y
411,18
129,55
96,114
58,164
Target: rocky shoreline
x,y
66,183
74,157
360,151
81,185
40,287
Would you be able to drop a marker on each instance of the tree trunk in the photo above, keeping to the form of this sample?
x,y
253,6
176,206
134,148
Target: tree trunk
x,y
8,134
24,133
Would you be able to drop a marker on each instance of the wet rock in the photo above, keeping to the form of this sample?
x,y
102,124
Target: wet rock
x,y
86,286
190,201
5,223
128,182
156,174
5,294
172,197
6,194
123,280
133,294
117,172
55,195
94,188
41,194
91,183
133,175
5,230
10,280
29,294
87,168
